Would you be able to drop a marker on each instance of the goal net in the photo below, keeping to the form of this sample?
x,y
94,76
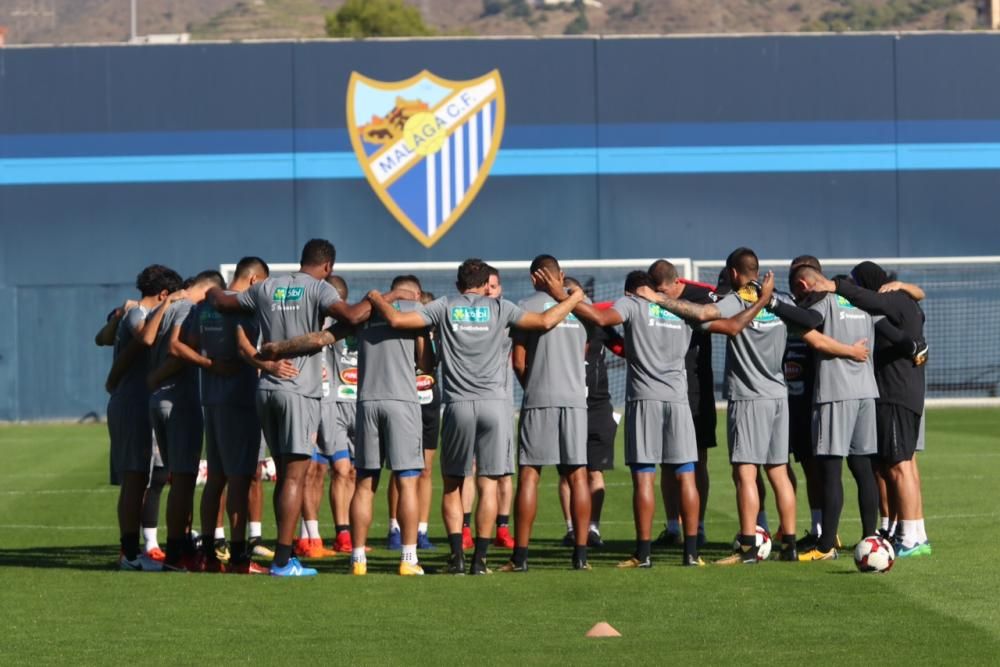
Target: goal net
x,y
962,307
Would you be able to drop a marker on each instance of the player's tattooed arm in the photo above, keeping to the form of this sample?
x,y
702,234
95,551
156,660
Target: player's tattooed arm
x,y
832,348
283,369
396,319
551,317
683,308
299,346
914,291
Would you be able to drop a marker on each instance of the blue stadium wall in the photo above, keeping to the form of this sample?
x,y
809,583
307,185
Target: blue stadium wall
x,y
115,157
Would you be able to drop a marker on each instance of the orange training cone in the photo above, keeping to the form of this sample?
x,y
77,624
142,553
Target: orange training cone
x,y
603,629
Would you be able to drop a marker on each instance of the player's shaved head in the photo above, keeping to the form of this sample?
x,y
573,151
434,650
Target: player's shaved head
x,y
407,281
209,277
805,260
251,266
805,274
472,274
545,262
317,252
744,261
663,273
636,279
339,284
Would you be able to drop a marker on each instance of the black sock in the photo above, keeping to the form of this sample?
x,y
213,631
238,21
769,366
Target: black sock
x,y
833,500
787,542
237,552
482,546
863,470
466,519
341,527
208,549
282,554
520,556
455,542
130,545
748,544
642,549
190,546
579,553
691,547
175,550
502,520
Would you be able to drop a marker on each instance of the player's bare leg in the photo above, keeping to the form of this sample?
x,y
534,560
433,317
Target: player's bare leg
x,y
581,505
745,477
408,512
486,515
180,502
452,513
569,538
703,484
288,492
595,481
784,498
690,506
425,488
671,493
255,514
468,500
394,538
342,485
130,505
527,505
505,500
643,508
211,505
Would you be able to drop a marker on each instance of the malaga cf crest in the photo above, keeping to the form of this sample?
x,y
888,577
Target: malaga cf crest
x,y
426,144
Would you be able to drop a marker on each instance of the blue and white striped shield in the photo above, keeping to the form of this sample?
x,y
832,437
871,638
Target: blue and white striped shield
x,y
426,144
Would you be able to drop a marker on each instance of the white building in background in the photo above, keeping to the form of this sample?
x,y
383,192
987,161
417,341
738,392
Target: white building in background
x,y
556,3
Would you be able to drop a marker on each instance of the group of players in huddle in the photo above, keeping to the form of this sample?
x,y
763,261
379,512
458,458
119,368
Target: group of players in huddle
x,y
832,370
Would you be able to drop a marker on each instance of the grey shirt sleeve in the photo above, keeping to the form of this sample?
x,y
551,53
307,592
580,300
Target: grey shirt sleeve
x,y
248,298
435,313
326,295
510,313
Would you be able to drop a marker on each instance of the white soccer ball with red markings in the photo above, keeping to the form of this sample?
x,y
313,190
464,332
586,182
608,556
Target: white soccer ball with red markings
x,y
763,542
874,554
202,473
270,470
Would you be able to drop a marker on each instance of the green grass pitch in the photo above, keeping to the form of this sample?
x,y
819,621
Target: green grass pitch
x,y
63,602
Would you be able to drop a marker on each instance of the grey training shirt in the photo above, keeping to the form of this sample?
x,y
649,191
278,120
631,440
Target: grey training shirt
x,y
753,358
288,306
386,359
656,342
217,338
473,330
183,384
133,382
556,373
840,379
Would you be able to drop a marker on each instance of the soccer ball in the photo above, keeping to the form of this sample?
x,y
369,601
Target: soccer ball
x,y
763,543
874,554
202,473
270,472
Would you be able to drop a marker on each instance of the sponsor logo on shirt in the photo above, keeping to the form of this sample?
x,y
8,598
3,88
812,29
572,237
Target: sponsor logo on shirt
x,y
287,294
661,317
462,314
846,310
349,375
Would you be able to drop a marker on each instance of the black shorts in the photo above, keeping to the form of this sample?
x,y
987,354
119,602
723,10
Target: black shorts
x,y
898,429
601,431
431,416
800,430
705,421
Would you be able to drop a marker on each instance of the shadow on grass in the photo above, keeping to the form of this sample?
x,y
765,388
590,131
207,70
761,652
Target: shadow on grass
x,y
89,558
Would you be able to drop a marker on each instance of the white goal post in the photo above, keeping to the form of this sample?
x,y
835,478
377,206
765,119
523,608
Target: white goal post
x,y
962,307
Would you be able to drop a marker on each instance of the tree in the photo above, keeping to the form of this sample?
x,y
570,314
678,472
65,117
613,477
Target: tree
x,y
376,18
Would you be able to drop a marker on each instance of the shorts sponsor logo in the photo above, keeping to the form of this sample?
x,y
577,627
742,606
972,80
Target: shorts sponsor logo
x,y
793,370
426,144
346,392
349,376
425,382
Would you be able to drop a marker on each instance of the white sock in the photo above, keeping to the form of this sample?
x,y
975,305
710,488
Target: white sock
x,y
255,529
762,520
149,537
595,527
885,524
409,553
911,532
817,522
303,531
220,532
312,527
393,526
569,525
921,531
358,555
894,526
674,526
422,528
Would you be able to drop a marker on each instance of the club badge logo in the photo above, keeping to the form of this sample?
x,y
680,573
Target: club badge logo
x,y
426,144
